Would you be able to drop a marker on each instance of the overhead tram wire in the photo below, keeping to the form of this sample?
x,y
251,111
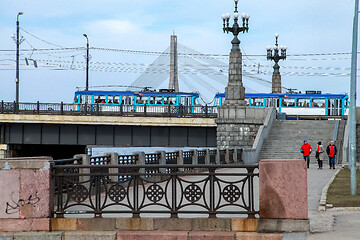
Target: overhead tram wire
x,y
41,39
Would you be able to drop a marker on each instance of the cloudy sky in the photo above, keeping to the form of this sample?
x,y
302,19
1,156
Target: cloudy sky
x,y
318,35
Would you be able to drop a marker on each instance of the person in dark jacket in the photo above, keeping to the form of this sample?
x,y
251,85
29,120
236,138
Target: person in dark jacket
x,y
331,152
318,154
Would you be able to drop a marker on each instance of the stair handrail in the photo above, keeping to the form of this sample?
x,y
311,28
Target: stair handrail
x,y
336,128
345,146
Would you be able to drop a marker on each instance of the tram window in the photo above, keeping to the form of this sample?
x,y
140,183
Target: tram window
x,y
76,98
158,100
346,103
217,102
141,100
318,103
247,101
170,100
114,99
288,102
303,102
258,102
196,101
100,99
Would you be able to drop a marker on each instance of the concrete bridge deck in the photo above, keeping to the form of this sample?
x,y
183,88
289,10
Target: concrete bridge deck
x,y
108,120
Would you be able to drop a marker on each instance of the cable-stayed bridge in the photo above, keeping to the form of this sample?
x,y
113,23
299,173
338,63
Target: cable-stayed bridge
x,y
196,72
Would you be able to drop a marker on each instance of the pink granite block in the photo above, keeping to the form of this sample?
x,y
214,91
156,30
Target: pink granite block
x,y
9,197
15,225
158,235
258,236
35,193
199,235
283,189
40,224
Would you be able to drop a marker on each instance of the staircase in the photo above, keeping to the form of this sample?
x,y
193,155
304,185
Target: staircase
x,y
286,138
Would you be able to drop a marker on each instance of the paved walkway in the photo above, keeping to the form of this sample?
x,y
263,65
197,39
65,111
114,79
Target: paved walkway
x,y
331,224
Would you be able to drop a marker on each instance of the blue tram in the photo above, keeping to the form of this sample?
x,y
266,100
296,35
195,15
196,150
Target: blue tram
x,y
310,103
137,101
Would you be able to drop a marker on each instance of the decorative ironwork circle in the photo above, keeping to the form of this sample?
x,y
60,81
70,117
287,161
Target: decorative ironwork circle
x,y
117,193
79,193
155,193
192,193
231,193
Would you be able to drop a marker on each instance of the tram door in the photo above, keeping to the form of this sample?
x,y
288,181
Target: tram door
x,y
334,107
272,102
185,104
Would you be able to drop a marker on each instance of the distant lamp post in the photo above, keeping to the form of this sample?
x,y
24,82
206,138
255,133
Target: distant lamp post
x,y
17,60
87,62
273,54
236,29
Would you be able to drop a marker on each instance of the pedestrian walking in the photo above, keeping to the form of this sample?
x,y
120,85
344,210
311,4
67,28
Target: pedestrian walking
x,y
318,154
306,151
331,152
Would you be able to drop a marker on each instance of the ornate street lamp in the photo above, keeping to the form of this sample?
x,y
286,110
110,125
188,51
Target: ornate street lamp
x,y
273,54
236,29
87,62
17,60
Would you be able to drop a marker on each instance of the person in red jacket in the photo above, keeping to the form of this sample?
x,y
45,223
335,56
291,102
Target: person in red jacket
x,y
331,152
306,150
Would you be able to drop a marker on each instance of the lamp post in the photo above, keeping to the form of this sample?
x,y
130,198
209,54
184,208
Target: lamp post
x,y
87,62
235,91
17,60
273,54
236,29
234,123
352,110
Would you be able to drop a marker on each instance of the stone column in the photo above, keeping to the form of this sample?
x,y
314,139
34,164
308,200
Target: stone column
x,y
237,124
114,160
276,83
4,151
85,180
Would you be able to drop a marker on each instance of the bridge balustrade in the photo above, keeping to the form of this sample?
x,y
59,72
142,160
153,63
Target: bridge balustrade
x,y
201,156
208,192
107,110
125,160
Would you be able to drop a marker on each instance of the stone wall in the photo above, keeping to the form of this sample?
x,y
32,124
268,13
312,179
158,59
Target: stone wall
x,y
238,127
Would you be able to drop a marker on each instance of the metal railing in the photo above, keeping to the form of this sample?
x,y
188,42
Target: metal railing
x,y
207,192
107,110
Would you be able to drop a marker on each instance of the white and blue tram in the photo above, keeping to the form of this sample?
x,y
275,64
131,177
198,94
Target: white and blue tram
x,y
312,103
137,101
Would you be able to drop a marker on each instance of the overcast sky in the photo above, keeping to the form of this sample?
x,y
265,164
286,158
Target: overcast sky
x,y
306,27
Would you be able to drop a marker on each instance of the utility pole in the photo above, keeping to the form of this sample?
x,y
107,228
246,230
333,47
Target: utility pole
x,y
174,82
17,60
352,110
87,62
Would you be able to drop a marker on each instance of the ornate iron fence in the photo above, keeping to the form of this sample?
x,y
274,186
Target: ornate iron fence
x,y
71,161
107,110
209,191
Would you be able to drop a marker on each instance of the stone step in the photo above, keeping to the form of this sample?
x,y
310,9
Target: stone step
x,y
286,137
